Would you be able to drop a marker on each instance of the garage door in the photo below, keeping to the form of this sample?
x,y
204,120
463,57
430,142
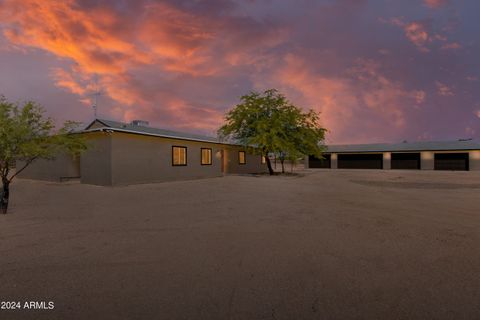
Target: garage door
x,y
406,161
314,162
360,161
451,161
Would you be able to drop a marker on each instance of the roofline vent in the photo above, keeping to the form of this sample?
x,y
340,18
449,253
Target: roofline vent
x,y
140,123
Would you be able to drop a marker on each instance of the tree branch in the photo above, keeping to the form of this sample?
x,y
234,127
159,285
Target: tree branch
x,y
28,162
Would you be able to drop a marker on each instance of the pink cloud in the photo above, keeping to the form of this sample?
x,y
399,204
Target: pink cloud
x,y
361,96
435,4
420,34
470,131
417,33
451,46
420,96
183,63
444,90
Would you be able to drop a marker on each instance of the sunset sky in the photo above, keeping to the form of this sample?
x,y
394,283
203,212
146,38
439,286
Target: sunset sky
x,y
377,70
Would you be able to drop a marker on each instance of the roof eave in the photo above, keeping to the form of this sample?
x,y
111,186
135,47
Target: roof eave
x,y
103,129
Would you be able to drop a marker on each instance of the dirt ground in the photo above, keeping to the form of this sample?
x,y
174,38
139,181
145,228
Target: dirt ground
x,y
331,244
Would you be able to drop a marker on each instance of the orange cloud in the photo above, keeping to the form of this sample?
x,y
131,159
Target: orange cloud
x,y
60,27
65,80
161,37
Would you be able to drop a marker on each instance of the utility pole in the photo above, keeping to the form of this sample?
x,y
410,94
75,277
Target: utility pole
x,y
95,95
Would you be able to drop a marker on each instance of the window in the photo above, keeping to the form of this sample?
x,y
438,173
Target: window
x,y
264,160
241,157
206,156
179,156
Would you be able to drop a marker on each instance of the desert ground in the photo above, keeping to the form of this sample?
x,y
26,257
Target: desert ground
x,y
327,244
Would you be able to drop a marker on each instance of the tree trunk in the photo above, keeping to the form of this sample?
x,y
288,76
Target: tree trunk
x,y
269,164
4,195
283,167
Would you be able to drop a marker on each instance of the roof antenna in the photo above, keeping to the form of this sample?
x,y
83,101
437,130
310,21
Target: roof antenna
x,y
95,95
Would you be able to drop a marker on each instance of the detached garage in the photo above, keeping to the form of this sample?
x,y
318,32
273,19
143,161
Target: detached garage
x,y
461,155
360,161
407,161
314,162
452,161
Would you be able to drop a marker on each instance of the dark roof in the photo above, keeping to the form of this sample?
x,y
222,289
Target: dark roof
x,y
466,144
131,128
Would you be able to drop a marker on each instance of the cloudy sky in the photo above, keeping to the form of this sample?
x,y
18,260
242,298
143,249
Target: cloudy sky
x,y
377,70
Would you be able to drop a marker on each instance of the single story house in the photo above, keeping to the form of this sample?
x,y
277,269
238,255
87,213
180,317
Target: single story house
x,y
463,154
130,153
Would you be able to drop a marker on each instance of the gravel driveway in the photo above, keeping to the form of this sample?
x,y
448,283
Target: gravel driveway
x,y
329,244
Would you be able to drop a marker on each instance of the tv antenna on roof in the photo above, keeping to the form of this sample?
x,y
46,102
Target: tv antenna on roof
x,y
97,92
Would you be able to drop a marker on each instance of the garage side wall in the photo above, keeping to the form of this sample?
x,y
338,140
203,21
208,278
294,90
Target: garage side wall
x,y
427,160
387,160
145,159
64,166
95,163
474,160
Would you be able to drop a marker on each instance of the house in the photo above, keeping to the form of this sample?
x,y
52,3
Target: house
x,y
130,153
463,154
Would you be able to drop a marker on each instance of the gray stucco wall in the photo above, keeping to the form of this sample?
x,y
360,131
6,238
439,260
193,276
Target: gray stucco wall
x,y
95,163
387,160
62,167
144,159
252,165
427,160
334,161
474,160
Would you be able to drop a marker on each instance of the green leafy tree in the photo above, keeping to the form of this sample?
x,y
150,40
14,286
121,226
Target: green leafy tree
x,y
25,136
268,123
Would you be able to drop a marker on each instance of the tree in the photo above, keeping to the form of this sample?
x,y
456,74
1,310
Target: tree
x,y
25,136
268,123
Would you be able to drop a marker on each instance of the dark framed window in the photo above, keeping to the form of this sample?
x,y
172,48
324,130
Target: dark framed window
x,y
242,157
179,156
205,156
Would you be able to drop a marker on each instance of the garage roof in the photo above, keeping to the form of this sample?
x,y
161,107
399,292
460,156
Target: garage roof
x,y
145,130
462,144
